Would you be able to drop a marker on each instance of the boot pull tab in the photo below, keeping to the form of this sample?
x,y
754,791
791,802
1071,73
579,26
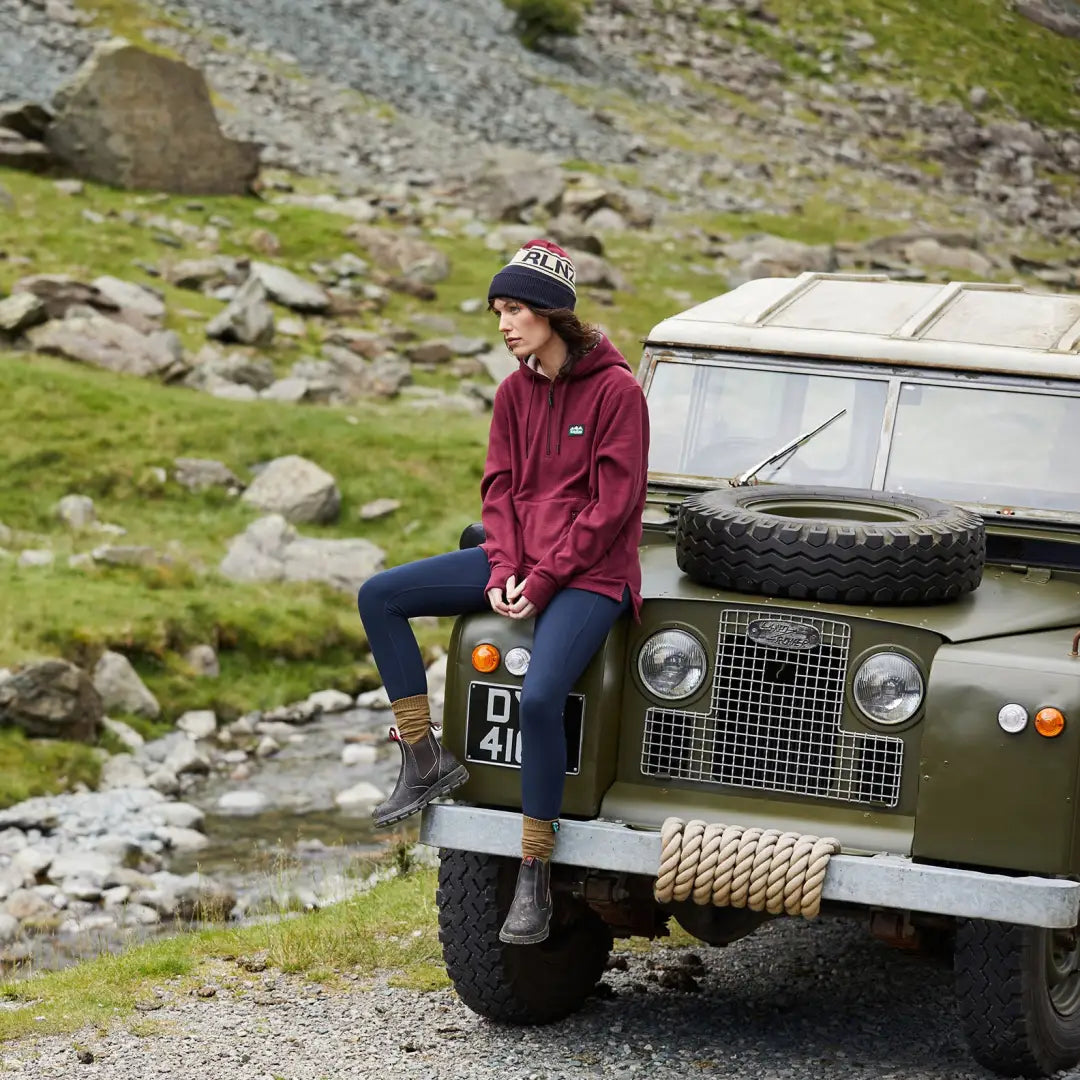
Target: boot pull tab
x,y
394,734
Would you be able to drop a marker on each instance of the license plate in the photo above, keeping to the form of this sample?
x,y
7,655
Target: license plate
x,y
493,728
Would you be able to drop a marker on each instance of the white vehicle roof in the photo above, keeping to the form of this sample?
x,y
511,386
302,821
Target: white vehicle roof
x,y
970,326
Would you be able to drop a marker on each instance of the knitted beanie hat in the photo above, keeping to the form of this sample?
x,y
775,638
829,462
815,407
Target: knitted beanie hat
x,y
541,275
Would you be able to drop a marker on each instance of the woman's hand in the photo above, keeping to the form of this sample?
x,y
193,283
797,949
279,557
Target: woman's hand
x,y
495,599
519,606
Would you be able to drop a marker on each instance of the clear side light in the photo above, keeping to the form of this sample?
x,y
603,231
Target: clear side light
x,y
516,661
672,664
1012,718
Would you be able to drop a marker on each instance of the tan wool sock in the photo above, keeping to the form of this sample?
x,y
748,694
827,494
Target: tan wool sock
x,y
413,716
537,837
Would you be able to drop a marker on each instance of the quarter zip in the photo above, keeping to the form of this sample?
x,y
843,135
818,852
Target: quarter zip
x,y
551,410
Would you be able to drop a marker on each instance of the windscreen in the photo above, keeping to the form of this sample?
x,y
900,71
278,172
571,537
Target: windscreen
x,y
994,446
717,421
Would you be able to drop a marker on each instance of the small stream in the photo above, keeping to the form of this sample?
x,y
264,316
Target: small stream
x,y
303,847
301,852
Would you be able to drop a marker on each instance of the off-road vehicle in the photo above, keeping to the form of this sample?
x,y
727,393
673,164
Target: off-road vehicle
x,y
861,563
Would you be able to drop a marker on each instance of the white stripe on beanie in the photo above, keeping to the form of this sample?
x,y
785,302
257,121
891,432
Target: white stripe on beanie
x,y
541,258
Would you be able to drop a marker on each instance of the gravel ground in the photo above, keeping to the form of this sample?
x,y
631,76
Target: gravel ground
x,y
797,1000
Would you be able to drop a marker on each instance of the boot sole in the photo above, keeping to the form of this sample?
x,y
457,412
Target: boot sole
x,y
447,784
524,939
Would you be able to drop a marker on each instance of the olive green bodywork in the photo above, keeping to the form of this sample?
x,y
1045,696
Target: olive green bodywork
x,y
970,794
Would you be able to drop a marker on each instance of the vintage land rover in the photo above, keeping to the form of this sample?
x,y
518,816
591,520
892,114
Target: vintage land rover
x,y
855,683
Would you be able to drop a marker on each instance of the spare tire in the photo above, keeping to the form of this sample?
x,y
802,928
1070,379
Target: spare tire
x,y
834,544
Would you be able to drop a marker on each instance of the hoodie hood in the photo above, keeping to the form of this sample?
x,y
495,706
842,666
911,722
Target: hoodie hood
x,y
600,357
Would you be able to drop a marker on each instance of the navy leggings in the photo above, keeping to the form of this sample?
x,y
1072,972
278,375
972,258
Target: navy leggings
x,y
567,634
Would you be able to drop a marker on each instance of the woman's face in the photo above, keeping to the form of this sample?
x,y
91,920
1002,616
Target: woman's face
x,y
524,332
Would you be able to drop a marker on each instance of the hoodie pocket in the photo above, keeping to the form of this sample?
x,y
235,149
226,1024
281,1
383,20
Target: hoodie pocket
x,y
544,524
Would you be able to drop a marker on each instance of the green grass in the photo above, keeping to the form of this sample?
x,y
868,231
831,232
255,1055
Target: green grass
x,y
939,49
30,767
391,928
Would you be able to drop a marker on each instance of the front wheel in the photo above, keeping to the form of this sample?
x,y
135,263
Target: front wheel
x,y
1018,990
516,984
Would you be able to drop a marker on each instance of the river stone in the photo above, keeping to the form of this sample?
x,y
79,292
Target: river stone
x,y
121,688
373,699
268,747
12,841
32,861
164,781
9,929
105,343
330,701
297,489
115,896
187,757
359,797
124,732
21,311
289,289
359,754
247,319
92,866
51,699
138,915
198,723
242,802
80,888
122,771
182,839
12,878
179,815
26,904
135,119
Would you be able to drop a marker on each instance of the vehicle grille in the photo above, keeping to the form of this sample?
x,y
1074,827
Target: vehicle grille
x,y
774,722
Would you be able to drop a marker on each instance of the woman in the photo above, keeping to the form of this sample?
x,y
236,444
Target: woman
x,y
563,493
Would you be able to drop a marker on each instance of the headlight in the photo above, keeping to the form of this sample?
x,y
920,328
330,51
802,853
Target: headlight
x,y
888,688
672,664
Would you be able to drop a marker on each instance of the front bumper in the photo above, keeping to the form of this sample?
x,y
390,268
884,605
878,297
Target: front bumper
x,y
882,881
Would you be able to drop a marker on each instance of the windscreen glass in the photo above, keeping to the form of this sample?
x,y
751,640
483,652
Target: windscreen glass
x,y
994,446
717,422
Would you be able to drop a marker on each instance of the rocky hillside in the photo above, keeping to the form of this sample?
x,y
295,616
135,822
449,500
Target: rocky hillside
x,y
733,105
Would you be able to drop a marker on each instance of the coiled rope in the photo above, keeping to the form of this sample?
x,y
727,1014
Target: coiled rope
x,y
729,866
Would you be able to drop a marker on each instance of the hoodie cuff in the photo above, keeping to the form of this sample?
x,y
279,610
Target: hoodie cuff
x,y
500,574
539,589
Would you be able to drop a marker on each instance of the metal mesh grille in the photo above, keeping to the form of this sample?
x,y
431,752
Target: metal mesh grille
x,y
774,722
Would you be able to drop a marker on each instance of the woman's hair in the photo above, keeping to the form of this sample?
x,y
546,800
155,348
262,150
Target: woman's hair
x,y
579,336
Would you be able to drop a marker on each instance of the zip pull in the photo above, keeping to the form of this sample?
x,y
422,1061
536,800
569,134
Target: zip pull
x,y
551,394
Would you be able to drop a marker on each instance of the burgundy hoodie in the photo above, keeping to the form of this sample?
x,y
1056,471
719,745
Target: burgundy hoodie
x,y
564,485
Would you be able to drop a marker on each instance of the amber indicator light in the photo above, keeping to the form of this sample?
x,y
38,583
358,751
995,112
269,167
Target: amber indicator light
x,y
485,658
1049,722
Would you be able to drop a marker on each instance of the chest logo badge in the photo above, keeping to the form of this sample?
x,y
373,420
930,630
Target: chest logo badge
x,y
576,429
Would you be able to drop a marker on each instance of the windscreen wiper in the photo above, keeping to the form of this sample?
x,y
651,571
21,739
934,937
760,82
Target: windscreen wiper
x,y
788,448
